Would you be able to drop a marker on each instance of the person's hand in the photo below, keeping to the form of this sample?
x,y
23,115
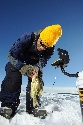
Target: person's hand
x,y
29,70
34,73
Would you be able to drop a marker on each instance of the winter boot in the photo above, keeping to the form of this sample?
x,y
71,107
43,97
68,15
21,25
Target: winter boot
x,y
38,113
6,112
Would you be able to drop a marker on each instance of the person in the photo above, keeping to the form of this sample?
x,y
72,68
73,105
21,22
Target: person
x,y
30,50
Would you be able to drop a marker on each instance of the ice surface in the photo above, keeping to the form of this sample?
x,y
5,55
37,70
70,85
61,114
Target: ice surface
x,y
65,107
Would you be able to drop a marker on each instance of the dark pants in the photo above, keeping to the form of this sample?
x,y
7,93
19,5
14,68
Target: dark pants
x,y
11,89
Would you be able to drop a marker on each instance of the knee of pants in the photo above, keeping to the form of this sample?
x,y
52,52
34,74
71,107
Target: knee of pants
x,y
13,79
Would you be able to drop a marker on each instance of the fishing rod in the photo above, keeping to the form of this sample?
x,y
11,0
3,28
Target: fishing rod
x,y
61,63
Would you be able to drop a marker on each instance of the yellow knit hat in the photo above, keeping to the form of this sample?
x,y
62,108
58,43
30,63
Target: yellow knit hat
x,y
50,35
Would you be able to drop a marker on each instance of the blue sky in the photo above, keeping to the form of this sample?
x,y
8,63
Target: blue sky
x,y
20,16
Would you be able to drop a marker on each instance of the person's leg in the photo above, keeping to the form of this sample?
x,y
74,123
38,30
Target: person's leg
x,y
29,100
11,88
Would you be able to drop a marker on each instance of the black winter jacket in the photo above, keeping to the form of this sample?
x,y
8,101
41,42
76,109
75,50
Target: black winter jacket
x,y
24,51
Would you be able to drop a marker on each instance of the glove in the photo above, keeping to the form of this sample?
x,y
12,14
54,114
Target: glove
x,y
28,70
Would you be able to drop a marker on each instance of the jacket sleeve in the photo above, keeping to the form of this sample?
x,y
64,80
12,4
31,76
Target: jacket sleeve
x,y
17,50
47,55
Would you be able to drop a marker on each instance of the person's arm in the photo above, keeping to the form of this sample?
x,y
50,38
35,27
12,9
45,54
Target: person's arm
x,y
47,55
17,50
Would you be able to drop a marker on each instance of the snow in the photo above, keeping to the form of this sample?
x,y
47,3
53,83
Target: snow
x,y
63,109
55,77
